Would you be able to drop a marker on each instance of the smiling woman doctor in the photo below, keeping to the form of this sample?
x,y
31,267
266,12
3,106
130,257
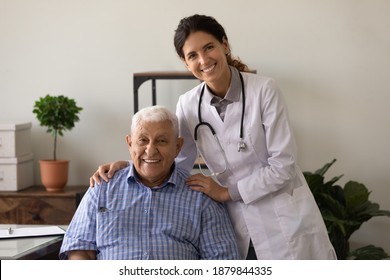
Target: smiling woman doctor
x,y
238,122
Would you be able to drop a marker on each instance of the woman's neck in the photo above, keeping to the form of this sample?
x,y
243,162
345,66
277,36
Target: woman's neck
x,y
221,86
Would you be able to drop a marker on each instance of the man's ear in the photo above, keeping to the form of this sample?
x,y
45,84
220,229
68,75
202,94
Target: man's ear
x,y
128,141
179,144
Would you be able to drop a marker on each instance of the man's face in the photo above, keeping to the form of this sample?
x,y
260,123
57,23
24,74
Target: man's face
x,y
153,148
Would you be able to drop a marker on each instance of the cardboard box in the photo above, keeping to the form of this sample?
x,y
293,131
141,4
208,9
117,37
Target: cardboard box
x,y
16,173
15,140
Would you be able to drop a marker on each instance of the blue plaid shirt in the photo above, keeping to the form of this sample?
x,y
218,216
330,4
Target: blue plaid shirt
x,y
123,219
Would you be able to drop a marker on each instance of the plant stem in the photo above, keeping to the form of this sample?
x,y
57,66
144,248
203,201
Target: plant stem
x,y
55,145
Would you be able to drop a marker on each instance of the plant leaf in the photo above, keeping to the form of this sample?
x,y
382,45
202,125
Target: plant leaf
x,y
325,168
355,195
369,252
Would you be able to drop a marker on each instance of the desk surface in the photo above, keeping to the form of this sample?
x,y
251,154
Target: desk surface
x,y
28,248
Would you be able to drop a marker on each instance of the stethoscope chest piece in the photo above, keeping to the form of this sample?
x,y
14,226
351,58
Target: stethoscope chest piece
x,y
241,146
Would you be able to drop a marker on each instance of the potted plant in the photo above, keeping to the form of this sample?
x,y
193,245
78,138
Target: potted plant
x,y
344,210
58,114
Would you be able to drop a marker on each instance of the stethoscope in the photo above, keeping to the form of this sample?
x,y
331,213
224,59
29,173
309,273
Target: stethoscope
x,y
241,144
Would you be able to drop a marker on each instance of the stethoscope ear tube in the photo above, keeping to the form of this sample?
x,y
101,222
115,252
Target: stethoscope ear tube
x,y
243,109
200,124
241,144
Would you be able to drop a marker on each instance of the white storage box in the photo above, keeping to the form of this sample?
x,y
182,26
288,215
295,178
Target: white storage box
x,y
16,173
15,139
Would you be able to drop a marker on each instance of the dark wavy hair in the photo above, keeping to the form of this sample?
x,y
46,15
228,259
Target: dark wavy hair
x,y
206,24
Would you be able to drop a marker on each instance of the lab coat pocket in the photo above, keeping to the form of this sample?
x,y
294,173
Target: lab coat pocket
x,y
297,213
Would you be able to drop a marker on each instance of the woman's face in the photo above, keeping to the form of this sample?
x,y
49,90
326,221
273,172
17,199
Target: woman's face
x,y
205,57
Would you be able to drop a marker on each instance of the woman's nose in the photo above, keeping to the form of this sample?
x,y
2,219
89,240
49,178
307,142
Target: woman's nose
x,y
203,59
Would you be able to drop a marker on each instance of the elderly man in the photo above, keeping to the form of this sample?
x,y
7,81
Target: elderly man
x,y
146,211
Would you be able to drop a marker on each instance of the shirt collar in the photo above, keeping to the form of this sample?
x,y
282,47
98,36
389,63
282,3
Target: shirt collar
x,y
133,176
233,93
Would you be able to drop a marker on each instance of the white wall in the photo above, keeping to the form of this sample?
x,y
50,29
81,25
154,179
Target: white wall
x,y
331,58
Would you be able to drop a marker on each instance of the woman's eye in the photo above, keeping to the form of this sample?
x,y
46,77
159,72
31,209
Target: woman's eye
x,y
209,47
191,56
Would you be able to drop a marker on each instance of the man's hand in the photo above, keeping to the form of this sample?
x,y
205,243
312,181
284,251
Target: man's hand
x,y
82,255
106,171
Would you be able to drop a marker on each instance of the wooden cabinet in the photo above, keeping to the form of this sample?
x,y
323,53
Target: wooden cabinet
x,y
35,205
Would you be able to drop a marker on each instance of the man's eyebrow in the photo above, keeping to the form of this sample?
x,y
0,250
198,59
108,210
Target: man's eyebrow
x,y
164,135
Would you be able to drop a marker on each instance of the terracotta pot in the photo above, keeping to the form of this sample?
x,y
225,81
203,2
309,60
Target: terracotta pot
x,y
54,174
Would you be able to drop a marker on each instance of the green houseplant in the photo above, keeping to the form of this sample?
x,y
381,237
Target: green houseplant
x,y
344,210
58,114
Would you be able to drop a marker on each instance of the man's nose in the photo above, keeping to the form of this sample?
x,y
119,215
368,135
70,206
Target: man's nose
x,y
151,149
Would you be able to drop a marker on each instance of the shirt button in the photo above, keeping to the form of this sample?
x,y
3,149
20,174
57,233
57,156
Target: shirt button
x,y
146,211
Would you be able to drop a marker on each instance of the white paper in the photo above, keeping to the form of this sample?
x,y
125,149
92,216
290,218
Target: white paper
x,y
31,231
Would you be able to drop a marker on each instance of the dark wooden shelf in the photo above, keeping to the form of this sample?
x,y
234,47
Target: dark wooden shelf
x,y
35,205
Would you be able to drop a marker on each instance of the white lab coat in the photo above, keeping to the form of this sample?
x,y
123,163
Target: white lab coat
x,y
277,210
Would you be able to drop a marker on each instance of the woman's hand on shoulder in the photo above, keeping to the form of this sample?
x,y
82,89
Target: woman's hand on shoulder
x,y
106,171
199,182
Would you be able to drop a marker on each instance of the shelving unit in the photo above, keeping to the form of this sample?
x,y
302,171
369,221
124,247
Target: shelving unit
x,y
140,78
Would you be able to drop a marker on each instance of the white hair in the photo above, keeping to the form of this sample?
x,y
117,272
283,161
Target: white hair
x,y
155,113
